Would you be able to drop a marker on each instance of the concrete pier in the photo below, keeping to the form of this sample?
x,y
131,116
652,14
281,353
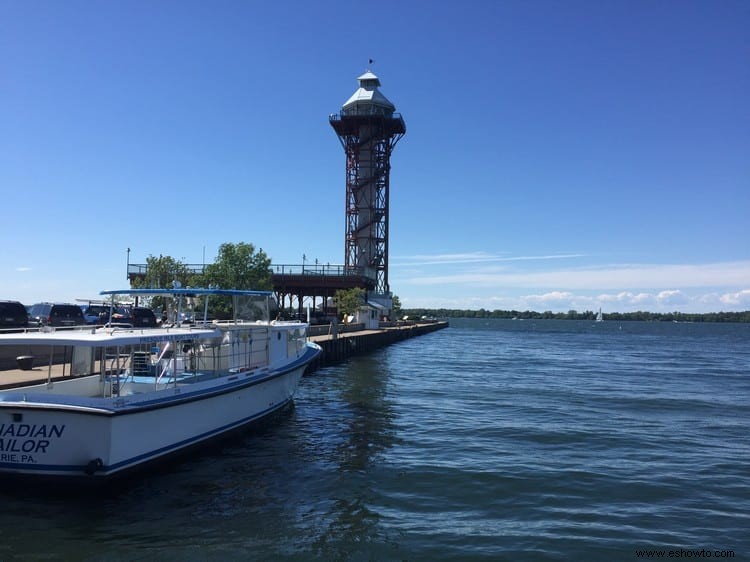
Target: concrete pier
x,y
337,348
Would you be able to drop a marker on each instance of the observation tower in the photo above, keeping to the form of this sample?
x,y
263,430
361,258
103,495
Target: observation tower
x,y
368,128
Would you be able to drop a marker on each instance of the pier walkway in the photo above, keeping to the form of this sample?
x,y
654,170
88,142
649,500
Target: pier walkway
x,y
337,348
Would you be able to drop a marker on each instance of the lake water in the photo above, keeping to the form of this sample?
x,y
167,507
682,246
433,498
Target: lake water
x,y
492,439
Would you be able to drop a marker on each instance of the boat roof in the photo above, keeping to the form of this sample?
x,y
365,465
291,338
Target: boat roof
x,y
188,292
101,337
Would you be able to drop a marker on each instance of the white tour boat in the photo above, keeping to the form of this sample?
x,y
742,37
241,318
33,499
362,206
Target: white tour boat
x,y
122,397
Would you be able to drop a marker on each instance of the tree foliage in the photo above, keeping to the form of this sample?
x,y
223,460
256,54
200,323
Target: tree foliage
x,y
239,266
162,272
396,307
348,301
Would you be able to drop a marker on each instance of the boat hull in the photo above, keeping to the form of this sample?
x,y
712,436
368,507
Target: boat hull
x,y
96,443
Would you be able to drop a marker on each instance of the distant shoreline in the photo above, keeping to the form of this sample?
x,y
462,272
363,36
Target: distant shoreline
x,y
736,317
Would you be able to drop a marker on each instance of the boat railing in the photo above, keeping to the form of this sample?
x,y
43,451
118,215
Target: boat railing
x,y
188,361
187,355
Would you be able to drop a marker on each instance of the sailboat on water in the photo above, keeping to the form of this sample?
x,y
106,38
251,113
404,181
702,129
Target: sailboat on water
x,y
599,316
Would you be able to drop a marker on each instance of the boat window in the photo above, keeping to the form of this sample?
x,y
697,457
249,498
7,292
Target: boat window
x,y
295,342
251,308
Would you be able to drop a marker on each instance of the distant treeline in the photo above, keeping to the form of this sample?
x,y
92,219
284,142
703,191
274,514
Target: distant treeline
x,y
575,315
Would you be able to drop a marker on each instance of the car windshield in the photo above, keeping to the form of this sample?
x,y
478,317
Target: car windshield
x,y
11,308
39,309
65,310
117,311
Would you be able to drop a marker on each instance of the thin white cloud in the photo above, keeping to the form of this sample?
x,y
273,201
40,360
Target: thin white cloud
x,y
562,301
553,297
470,257
740,298
622,277
625,296
446,258
672,297
22,269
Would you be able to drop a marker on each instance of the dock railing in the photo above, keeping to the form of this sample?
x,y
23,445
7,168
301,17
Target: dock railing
x,y
327,329
316,269
141,269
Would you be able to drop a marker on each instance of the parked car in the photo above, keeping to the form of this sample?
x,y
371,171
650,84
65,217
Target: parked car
x,y
143,317
13,315
137,316
54,314
120,315
92,312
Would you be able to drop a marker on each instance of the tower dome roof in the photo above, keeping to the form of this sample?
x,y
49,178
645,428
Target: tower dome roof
x,y
368,99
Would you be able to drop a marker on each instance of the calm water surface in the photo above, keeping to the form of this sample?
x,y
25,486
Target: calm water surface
x,y
502,440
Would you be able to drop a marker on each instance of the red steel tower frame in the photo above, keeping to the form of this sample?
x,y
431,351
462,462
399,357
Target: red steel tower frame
x,y
368,129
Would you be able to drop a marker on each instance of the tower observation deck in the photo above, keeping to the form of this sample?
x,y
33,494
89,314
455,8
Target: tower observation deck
x,y
368,128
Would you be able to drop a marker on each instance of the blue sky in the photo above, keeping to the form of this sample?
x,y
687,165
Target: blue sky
x,y
558,155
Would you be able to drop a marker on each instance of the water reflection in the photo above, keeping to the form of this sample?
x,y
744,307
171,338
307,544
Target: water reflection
x,y
370,431
367,430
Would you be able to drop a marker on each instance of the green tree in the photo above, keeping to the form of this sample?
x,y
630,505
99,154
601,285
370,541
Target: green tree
x,y
348,301
161,272
238,266
396,310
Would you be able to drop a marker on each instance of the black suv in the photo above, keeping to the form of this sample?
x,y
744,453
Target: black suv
x,y
142,317
13,315
48,314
